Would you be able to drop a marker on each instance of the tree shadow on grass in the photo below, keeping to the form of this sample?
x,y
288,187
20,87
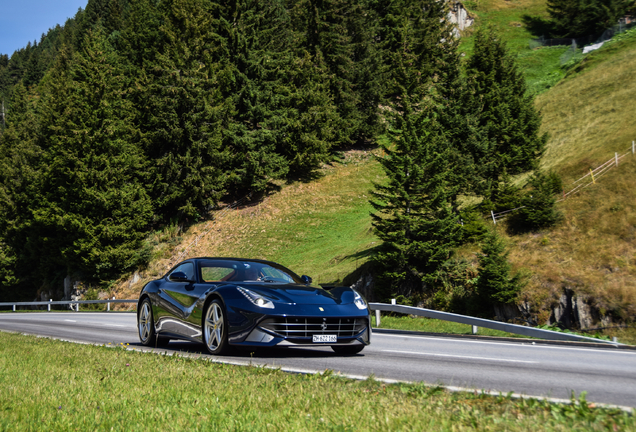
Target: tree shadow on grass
x,y
538,26
366,253
362,259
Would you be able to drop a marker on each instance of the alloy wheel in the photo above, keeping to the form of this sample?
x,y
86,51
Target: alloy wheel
x,y
145,322
214,327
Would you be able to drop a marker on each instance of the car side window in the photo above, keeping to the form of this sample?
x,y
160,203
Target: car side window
x,y
187,268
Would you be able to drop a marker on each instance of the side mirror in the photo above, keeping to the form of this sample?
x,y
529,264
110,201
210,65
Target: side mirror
x,y
179,277
306,279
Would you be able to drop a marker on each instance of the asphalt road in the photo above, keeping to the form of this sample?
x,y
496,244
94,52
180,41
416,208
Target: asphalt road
x,y
608,375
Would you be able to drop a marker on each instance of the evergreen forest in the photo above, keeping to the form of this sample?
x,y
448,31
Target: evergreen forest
x,y
138,114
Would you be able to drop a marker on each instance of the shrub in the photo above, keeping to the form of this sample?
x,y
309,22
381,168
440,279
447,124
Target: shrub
x,y
494,283
473,226
539,205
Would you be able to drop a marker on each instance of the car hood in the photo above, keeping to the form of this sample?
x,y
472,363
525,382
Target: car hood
x,y
302,294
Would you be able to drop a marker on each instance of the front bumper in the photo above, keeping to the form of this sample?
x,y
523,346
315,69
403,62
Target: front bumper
x,y
295,331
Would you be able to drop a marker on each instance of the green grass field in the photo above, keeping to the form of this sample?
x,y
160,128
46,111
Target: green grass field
x,y
52,385
433,326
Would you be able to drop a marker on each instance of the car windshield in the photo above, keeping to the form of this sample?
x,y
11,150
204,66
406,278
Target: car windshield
x,y
245,271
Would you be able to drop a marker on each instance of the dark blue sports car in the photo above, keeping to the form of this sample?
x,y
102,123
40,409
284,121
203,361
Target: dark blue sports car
x,y
225,302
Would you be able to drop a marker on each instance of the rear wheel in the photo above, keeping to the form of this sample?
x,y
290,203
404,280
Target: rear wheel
x,y
215,328
146,326
347,349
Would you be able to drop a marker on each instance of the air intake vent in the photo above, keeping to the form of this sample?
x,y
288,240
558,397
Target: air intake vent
x,y
300,327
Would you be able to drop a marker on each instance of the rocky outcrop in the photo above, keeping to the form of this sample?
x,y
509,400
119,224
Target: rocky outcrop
x,y
577,311
136,277
582,310
459,15
506,312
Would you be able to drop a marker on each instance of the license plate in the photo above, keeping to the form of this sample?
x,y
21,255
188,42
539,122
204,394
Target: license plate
x,y
324,338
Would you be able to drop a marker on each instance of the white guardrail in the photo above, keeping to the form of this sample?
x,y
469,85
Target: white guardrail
x,y
377,307
71,303
480,322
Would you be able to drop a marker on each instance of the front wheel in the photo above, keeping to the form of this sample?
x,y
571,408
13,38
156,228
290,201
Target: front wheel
x,y
347,349
215,328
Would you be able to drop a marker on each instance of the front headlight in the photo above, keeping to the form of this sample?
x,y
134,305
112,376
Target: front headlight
x,y
256,299
358,300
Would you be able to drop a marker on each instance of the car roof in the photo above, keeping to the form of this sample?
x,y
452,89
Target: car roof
x,y
193,259
232,259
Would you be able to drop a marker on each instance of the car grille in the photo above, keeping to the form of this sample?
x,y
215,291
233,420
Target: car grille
x,y
301,327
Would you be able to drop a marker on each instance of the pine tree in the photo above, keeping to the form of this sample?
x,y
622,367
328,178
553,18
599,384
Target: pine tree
x,y
414,217
182,110
415,220
275,94
417,29
506,117
340,32
506,196
140,39
420,34
88,208
309,128
495,284
457,116
7,275
34,69
575,18
281,118
20,157
538,206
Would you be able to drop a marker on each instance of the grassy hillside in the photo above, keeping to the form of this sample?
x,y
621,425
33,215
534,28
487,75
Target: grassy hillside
x,y
590,116
323,228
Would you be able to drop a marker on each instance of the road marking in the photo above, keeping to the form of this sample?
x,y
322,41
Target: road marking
x,y
529,343
70,320
458,356
116,325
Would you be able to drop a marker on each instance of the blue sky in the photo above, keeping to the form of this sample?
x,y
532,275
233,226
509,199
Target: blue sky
x,y
23,21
